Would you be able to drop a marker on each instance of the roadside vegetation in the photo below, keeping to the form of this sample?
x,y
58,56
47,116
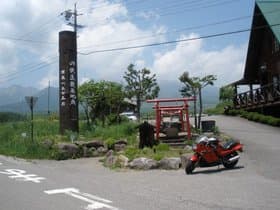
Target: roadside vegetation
x,y
226,107
257,117
15,139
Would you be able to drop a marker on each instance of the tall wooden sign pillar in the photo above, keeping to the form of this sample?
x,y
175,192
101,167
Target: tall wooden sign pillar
x,y
68,80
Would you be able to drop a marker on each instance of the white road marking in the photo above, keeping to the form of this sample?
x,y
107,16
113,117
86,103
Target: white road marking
x,y
97,203
1,164
22,176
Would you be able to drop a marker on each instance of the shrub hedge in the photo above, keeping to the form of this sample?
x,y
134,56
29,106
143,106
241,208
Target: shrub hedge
x,y
257,117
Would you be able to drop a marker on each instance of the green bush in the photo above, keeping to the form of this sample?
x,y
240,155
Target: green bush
x,y
110,142
11,117
162,147
219,109
257,117
158,156
131,152
113,119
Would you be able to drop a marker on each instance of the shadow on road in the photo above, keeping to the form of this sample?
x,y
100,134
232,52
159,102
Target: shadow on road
x,y
216,170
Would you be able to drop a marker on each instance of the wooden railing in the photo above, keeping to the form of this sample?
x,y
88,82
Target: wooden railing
x,y
267,94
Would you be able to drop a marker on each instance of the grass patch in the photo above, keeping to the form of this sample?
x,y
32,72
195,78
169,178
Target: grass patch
x,y
219,109
157,152
15,139
257,117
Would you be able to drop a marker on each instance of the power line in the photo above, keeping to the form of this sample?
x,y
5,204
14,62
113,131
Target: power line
x,y
33,69
28,65
202,5
172,31
27,40
182,29
175,5
194,9
43,25
177,41
130,2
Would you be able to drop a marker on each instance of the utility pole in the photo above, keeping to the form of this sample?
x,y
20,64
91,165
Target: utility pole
x,y
68,14
49,98
75,19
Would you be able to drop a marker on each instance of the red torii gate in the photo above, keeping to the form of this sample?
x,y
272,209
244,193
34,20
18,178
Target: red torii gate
x,y
182,109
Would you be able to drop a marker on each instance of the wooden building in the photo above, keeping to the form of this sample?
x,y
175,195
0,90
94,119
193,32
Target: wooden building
x,y
262,69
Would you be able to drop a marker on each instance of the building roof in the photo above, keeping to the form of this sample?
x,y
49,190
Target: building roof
x,y
266,13
271,12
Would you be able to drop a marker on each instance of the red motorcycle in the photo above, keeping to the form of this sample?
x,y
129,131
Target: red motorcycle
x,y
210,152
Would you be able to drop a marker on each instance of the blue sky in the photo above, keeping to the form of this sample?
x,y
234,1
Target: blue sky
x,y
32,59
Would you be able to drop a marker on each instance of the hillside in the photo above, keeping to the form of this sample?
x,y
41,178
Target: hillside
x,y
41,105
13,98
15,93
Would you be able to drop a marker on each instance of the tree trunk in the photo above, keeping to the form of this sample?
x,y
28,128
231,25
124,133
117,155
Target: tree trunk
x,y
194,112
138,107
85,107
200,107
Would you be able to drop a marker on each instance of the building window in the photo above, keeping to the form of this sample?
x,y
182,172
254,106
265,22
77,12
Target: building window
x,y
275,45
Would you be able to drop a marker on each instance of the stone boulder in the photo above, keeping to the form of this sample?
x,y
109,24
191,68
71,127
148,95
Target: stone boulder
x,y
110,159
90,144
188,148
122,161
47,143
184,160
170,163
143,164
90,152
67,150
121,141
119,147
102,150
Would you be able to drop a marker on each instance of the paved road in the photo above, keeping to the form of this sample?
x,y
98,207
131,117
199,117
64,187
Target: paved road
x,y
262,143
84,184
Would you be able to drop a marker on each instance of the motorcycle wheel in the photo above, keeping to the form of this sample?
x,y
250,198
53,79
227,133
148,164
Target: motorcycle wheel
x,y
189,167
227,164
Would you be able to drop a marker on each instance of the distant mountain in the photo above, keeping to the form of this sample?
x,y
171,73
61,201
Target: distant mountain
x,y
170,89
15,94
12,99
41,105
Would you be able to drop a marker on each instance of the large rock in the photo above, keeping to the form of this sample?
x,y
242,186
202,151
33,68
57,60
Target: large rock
x,y
67,150
188,148
90,152
110,159
47,143
184,159
119,147
102,150
122,161
170,163
143,164
121,141
90,144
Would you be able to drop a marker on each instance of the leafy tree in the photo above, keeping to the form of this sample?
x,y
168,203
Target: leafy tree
x,y
193,87
86,91
100,99
226,93
141,85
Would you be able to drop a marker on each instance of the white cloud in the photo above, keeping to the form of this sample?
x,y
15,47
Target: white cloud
x,y
106,28
226,63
